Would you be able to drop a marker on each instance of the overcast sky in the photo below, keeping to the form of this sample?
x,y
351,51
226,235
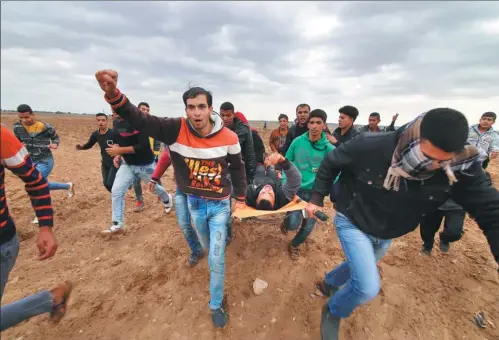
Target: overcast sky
x,y
265,58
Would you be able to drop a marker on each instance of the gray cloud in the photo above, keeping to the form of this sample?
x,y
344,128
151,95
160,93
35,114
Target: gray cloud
x,y
265,57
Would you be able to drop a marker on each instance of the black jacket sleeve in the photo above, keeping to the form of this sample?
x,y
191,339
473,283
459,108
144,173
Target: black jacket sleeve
x,y
339,159
249,154
480,199
91,141
143,144
390,127
258,146
289,138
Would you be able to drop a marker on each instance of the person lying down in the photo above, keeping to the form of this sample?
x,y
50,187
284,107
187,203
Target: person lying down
x,y
267,192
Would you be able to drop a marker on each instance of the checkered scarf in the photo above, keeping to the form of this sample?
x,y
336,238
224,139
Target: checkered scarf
x,y
409,162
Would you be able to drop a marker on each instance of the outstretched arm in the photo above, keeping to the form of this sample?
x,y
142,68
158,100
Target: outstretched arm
x,y
91,142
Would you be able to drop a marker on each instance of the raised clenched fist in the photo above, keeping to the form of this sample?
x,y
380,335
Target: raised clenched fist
x,y
108,81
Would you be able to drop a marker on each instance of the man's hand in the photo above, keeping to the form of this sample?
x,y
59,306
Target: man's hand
x,y
331,139
53,146
79,147
275,158
117,161
151,185
108,82
113,150
394,118
311,209
494,154
239,205
46,243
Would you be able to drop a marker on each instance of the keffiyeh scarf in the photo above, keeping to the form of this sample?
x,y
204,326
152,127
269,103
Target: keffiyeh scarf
x,y
409,162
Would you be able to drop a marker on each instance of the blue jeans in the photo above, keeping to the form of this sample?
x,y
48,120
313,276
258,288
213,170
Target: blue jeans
x,y
358,274
184,222
295,219
45,167
124,178
210,219
20,310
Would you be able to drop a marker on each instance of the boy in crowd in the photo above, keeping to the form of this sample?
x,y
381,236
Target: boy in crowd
x,y
277,140
105,137
306,152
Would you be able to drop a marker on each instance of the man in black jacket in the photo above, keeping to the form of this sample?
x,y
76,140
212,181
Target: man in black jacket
x,y
345,130
299,127
245,138
388,181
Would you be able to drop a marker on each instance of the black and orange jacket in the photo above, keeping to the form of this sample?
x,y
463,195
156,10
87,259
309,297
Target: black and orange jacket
x,y
15,157
201,164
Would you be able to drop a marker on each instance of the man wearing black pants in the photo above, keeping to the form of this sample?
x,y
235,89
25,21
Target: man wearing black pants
x,y
453,226
105,137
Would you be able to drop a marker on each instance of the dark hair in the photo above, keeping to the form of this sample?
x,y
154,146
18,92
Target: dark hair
x,y
303,105
282,115
143,104
318,113
23,108
445,128
486,114
264,205
350,111
375,114
193,92
227,106
100,114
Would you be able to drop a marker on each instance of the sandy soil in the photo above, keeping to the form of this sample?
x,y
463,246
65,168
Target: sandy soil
x,y
138,286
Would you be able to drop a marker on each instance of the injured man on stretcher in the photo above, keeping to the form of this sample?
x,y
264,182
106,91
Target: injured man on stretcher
x,y
267,192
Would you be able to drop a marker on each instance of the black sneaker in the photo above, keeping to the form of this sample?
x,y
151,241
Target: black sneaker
x,y
325,289
426,250
444,247
194,259
330,325
219,317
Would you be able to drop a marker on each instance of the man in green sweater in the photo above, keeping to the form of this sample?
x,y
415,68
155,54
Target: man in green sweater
x,y
306,152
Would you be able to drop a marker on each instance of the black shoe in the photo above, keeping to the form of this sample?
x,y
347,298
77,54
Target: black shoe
x,y
219,317
425,250
194,259
330,325
444,247
325,289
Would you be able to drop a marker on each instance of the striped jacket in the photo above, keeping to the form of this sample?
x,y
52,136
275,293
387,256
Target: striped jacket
x,y
201,164
15,157
38,143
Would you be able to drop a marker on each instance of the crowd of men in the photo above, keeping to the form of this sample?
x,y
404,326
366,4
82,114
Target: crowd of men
x,y
383,184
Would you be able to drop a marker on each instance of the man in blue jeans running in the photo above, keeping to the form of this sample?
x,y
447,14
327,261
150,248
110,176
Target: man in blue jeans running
x,y
39,138
388,182
203,152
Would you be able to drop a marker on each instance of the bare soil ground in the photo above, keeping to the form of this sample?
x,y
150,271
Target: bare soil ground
x,y
138,287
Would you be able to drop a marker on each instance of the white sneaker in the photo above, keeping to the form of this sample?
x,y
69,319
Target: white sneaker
x,y
35,221
169,205
114,229
71,190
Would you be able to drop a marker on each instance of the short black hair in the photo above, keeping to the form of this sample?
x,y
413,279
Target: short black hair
x,y
350,111
23,108
489,114
445,128
227,106
318,113
375,114
264,205
143,104
303,105
282,115
100,114
193,92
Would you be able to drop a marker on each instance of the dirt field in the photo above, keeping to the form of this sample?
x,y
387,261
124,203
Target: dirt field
x,y
138,287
